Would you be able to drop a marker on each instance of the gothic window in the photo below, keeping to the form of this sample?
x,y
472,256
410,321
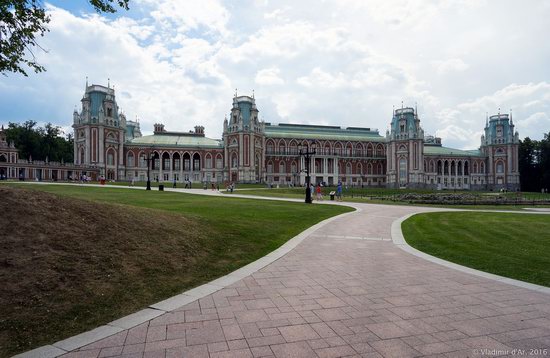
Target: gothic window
x,y
499,131
281,148
282,166
348,168
500,167
142,160
402,171
130,161
219,162
110,158
270,147
109,112
208,161
234,161
270,167
293,168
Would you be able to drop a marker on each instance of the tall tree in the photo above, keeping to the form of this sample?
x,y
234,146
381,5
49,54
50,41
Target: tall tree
x,y
22,22
545,162
38,143
529,168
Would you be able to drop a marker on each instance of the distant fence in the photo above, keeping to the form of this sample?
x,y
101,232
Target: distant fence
x,y
457,199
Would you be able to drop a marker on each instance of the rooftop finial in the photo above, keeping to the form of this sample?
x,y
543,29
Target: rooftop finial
x,y
86,81
252,93
401,104
235,93
416,108
108,83
511,120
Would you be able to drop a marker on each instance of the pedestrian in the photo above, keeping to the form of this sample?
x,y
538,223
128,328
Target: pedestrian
x,y
174,183
132,182
339,191
319,192
311,191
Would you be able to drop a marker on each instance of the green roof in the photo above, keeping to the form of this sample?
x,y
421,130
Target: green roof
x,y
439,150
304,131
173,139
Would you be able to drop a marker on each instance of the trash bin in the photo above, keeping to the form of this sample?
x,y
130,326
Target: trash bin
x,y
161,187
332,193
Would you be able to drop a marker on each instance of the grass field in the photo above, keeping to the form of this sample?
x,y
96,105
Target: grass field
x,y
389,196
195,185
505,244
74,257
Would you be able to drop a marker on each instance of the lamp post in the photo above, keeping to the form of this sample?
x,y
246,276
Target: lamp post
x,y
148,159
307,153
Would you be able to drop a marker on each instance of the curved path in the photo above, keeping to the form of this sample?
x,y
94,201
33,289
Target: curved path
x,y
346,290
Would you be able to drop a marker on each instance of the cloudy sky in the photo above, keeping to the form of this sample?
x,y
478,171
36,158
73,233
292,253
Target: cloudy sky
x,y
337,62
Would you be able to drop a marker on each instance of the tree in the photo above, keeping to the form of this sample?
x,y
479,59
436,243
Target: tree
x,y
529,168
22,22
40,143
544,150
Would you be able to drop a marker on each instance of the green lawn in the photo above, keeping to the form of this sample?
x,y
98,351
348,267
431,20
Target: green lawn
x,y
505,244
78,283
389,196
168,184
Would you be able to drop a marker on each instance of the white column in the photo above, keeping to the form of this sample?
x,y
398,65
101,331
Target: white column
x,y
101,136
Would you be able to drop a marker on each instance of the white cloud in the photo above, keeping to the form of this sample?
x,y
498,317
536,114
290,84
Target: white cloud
x,y
450,65
269,76
339,62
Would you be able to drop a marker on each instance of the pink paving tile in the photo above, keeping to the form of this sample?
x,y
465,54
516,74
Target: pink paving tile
x,y
264,351
199,351
301,332
241,353
206,334
293,350
334,352
387,330
394,348
237,344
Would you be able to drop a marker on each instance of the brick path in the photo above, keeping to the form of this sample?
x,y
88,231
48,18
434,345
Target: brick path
x,y
346,290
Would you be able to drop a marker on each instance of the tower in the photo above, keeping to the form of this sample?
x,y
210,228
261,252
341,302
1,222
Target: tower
x,y
500,145
405,150
99,131
243,136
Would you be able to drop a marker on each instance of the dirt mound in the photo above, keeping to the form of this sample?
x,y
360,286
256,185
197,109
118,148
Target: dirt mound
x,y
66,264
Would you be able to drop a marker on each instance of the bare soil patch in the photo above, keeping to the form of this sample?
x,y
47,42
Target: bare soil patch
x,y
69,264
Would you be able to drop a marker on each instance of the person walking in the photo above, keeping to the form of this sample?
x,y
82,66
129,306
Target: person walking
x,y
339,191
319,192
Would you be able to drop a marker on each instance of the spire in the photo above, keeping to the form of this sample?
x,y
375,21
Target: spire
x,y
401,104
235,93
486,119
511,120
252,93
86,81
108,83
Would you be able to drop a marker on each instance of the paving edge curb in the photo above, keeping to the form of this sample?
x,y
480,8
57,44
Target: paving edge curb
x,y
399,240
80,340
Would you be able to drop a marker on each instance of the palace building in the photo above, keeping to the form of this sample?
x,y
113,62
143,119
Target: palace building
x,y
253,151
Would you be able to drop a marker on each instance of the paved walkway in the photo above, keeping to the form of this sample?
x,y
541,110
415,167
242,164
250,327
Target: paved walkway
x,y
346,290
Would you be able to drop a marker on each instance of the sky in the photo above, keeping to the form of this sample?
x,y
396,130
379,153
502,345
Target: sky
x,y
328,62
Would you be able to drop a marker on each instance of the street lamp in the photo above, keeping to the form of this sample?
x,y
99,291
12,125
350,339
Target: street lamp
x,y
306,153
148,159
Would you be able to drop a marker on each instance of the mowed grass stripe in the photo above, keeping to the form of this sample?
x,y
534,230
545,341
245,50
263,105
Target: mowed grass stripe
x,y
77,257
505,244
